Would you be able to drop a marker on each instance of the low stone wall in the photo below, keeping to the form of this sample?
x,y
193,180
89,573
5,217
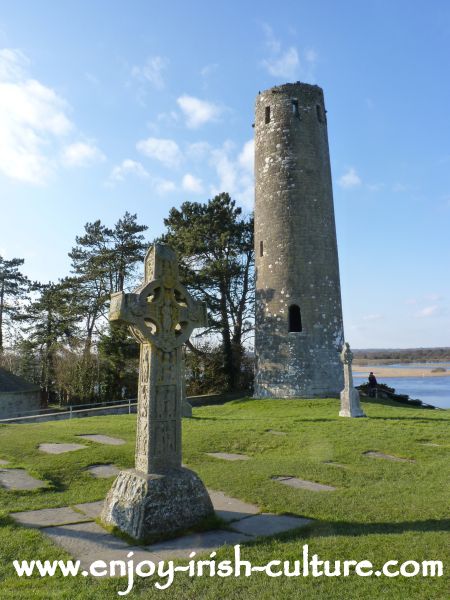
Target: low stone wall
x,y
120,409
14,404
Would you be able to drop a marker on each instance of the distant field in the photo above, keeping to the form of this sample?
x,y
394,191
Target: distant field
x,y
409,370
381,510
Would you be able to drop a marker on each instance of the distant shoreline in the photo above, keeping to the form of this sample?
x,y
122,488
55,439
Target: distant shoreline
x,y
385,371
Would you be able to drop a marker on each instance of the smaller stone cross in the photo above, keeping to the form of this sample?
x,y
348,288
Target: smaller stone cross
x,y
350,404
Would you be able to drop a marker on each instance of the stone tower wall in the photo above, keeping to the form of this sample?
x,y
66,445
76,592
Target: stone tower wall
x,y
295,247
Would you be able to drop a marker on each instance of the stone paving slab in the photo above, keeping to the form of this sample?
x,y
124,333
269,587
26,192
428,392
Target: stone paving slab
x,y
273,432
59,448
103,439
88,542
231,509
373,454
228,456
303,484
200,543
48,517
3,462
18,479
91,509
103,471
268,524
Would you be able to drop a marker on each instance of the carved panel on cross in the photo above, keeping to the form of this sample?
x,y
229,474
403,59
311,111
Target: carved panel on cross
x,y
167,367
165,442
166,402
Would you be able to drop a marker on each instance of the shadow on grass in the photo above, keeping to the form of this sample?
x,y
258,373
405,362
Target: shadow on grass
x,y
326,529
417,419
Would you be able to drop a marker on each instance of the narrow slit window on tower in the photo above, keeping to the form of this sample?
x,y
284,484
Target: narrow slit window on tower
x,y
261,248
267,114
294,102
320,114
295,318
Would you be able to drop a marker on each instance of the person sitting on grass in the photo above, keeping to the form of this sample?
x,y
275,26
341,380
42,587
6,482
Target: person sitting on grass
x,y
372,385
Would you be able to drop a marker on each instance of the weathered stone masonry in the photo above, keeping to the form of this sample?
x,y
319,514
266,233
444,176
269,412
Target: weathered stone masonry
x,y
299,329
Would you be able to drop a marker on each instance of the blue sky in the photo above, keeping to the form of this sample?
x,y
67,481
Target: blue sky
x,y
109,106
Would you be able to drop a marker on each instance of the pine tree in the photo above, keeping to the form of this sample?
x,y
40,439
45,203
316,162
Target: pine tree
x,y
13,288
50,322
215,247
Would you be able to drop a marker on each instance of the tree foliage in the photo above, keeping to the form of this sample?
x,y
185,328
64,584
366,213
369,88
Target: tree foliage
x,y
13,287
214,243
51,320
104,260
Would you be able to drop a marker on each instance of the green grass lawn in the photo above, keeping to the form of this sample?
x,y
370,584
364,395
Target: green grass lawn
x,y
381,510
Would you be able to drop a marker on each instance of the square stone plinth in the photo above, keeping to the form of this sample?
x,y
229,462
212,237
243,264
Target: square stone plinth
x,y
73,529
18,479
59,448
103,439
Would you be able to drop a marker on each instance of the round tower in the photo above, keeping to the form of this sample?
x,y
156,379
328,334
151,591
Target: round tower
x,y
299,328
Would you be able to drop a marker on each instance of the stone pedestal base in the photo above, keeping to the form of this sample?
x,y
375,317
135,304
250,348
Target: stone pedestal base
x,y
144,505
350,406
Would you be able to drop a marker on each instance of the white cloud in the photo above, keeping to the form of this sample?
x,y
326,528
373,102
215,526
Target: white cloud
x,y
33,117
81,154
128,167
428,311
287,63
152,71
374,317
198,150
198,112
311,56
247,156
193,184
234,172
165,150
433,297
164,186
350,179
272,43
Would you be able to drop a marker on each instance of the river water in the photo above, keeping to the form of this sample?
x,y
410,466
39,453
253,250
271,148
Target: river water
x,y
431,390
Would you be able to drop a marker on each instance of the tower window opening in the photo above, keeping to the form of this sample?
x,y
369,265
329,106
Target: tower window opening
x,y
320,114
295,319
261,248
295,112
267,114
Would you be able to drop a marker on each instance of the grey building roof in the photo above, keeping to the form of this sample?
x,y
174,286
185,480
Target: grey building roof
x,y
13,383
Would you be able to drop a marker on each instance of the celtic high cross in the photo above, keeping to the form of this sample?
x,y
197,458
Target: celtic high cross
x,y
161,315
